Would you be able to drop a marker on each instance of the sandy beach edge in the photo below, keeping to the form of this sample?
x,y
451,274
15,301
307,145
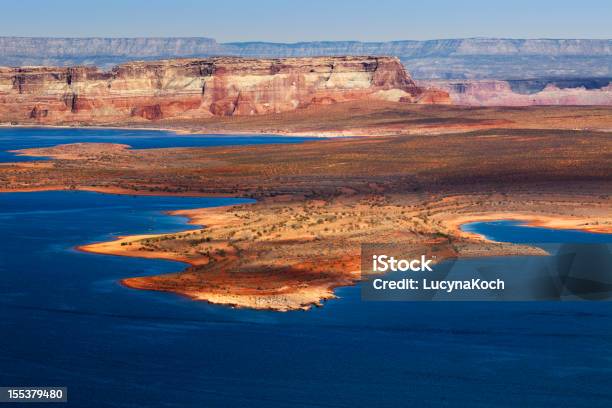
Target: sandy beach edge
x,y
208,217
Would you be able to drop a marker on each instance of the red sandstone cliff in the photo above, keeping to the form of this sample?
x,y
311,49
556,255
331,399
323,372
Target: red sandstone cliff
x,y
500,93
196,88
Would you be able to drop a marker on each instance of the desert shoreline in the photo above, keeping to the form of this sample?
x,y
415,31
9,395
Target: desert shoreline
x,y
197,218
179,131
361,119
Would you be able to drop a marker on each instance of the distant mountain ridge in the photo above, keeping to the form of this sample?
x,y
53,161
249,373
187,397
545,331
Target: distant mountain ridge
x,y
470,58
437,48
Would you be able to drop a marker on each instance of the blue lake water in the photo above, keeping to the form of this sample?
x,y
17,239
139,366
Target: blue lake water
x,y
23,138
65,321
517,232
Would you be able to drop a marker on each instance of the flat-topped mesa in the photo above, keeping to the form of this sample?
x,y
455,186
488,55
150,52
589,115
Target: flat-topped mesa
x,y
198,88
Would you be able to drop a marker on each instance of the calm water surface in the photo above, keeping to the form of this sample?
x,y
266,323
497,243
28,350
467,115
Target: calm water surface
x,y
23,138
65,321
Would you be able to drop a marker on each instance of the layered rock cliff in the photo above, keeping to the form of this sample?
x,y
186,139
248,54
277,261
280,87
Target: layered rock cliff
x,y
526,92
196,88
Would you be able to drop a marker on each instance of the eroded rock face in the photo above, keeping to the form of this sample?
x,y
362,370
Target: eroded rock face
x,y
501,93
196,88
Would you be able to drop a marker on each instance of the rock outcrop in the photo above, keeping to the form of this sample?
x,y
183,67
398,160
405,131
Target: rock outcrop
x,y
518,93
197,88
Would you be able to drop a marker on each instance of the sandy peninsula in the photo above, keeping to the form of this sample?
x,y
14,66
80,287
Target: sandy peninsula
x,y
280,256
318,201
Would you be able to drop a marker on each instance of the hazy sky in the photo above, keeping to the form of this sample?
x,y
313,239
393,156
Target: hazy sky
x,y
291,21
